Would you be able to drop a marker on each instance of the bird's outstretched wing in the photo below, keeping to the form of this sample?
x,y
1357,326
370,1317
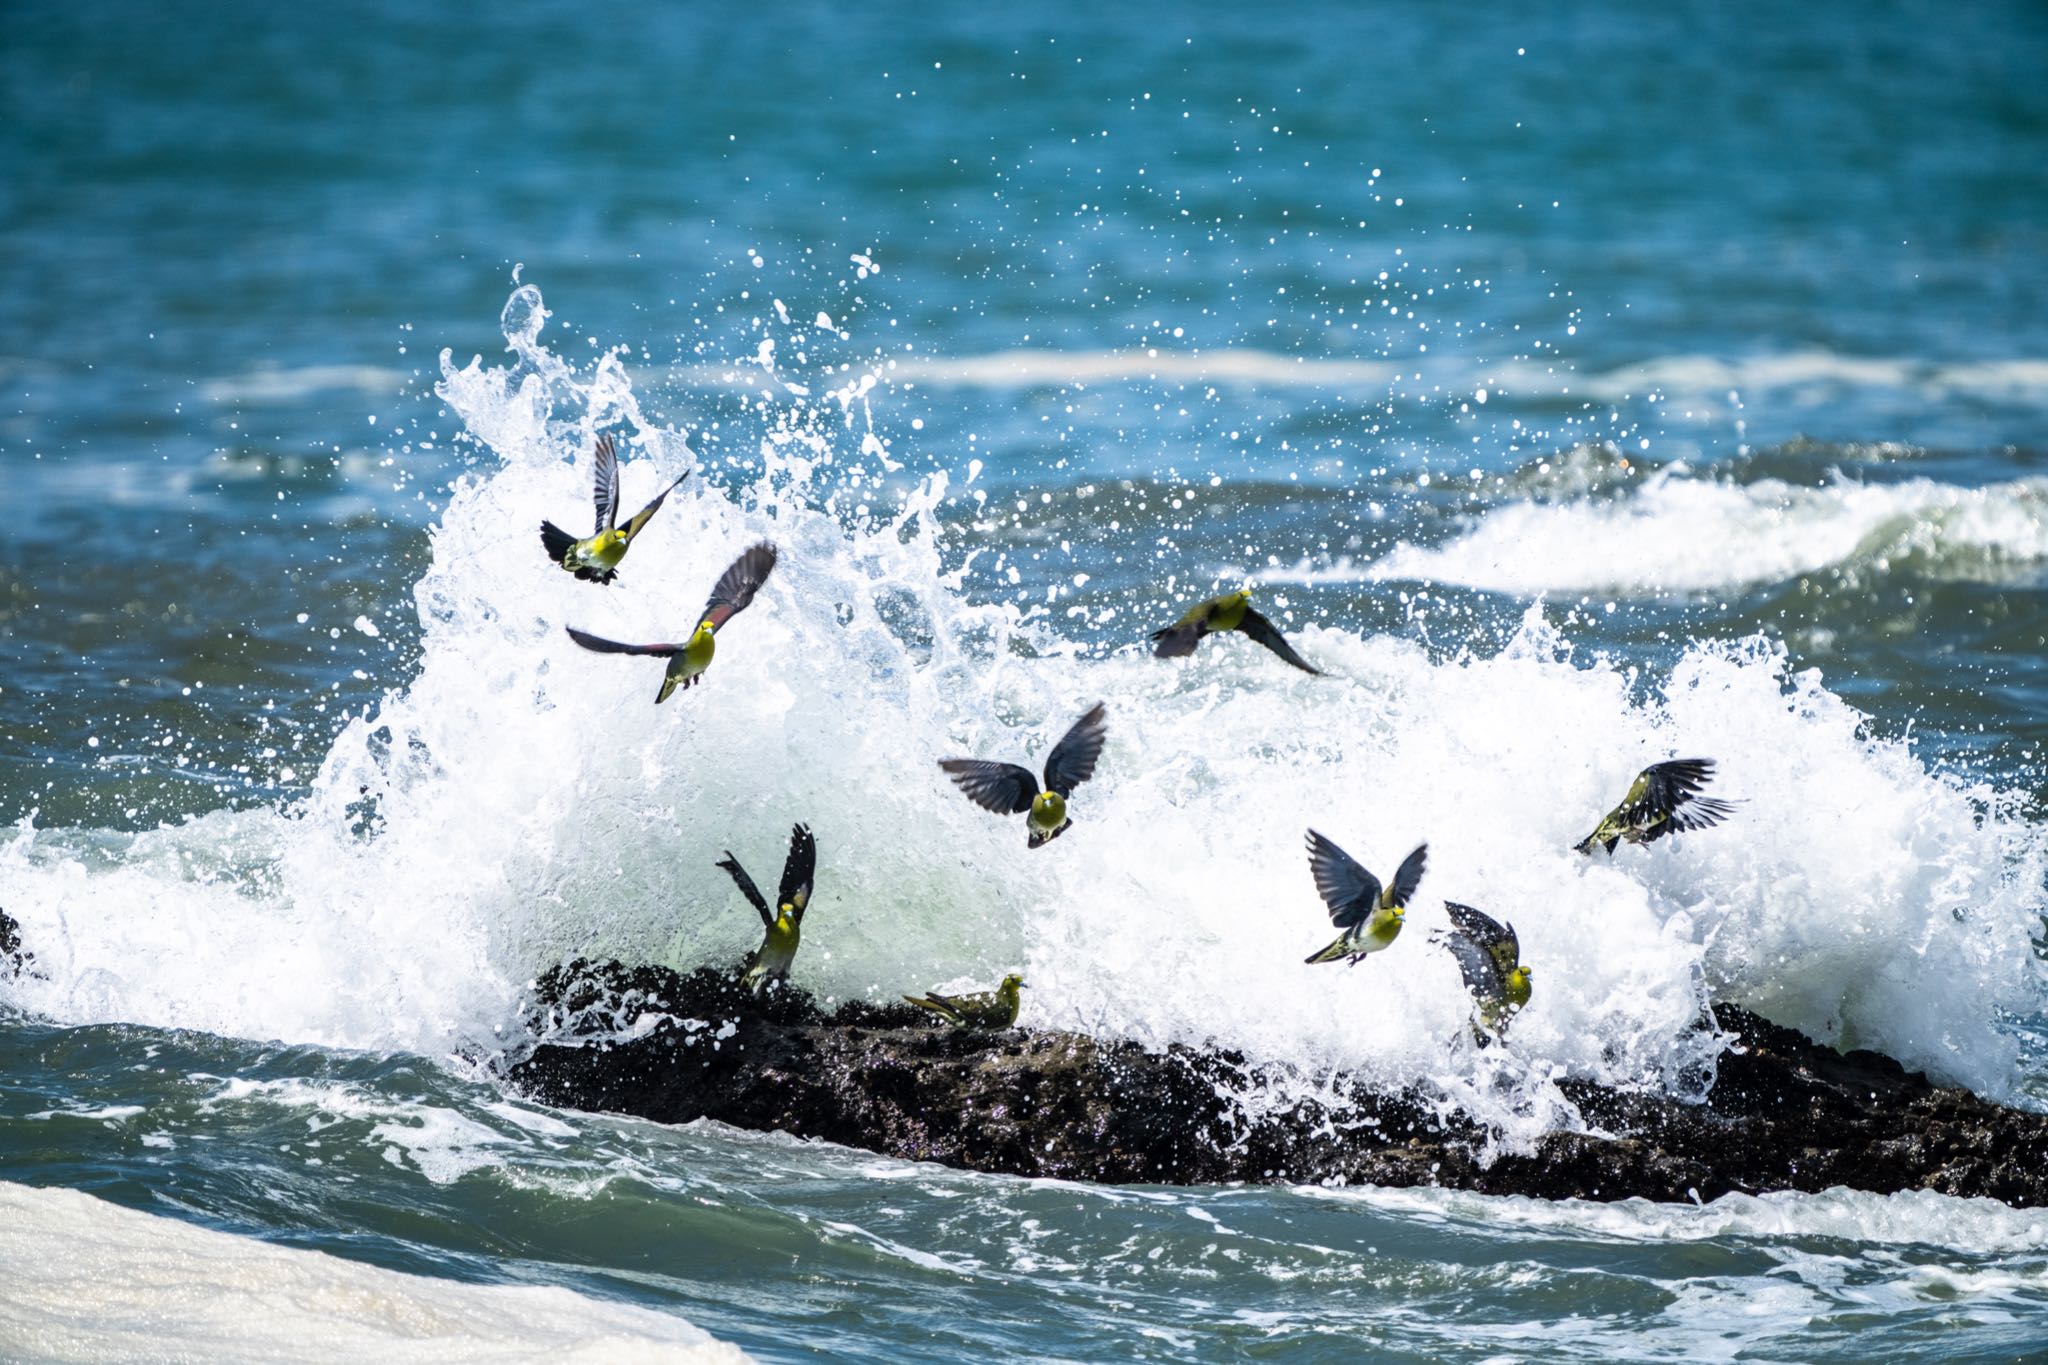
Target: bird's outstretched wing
x,y
1268,634
1004,788
1701,812
1662,788
1407,877
641,517
1176,641
1478,967
747,888
798,870
1072,760
605,483
557,541
738,584
1496,938
1346,888
603,646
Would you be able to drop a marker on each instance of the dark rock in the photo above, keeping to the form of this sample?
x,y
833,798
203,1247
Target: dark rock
x,y
14,959
1783,1112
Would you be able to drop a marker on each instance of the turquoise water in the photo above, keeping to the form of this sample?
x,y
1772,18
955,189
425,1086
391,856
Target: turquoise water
x,y
1577,386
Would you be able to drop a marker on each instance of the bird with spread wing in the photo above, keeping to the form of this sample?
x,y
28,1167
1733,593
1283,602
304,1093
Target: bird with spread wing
x,y
1231,611
596,558
1010,789
687,661
1664,799
1490,959
1368,914
784,924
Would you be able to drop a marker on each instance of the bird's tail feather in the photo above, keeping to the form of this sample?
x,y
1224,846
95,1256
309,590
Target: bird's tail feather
x,y
927,1003
1037,840
1336,950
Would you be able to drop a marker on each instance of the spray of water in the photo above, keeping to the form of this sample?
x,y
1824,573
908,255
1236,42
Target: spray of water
x,y
520,801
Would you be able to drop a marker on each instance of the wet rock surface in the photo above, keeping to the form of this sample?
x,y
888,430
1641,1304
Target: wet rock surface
x,y
1783,1112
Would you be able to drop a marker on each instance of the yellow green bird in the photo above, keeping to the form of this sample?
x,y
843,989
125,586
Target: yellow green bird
x,y
687,661
785,923
1231,611
996,1009
1369,916
1490,959
1010,789
1664,799
596,559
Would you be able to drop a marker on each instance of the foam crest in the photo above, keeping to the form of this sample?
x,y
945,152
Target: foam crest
x,y
521,800
1679,532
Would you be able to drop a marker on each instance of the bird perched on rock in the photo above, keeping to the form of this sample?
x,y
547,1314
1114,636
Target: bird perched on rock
x,y
996,1009
770,962
1369,915
1232,611
687,661
597,558
1010,789
1489,956
1664,799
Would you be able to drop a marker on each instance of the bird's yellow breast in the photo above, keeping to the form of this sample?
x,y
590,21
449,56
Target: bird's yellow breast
x,y
1048,811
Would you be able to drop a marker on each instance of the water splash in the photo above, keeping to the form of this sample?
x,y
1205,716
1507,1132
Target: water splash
x,y
520,801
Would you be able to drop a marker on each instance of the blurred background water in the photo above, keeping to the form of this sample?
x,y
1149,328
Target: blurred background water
x,y
1694,326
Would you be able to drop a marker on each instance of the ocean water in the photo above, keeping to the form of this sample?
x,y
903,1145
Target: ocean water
x,y
1576,386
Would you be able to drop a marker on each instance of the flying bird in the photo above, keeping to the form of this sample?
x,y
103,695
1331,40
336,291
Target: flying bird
x,y
1369,915
1489,956
687,661
1232,611
597,557
784,924
1664,799
996,1009
1010,789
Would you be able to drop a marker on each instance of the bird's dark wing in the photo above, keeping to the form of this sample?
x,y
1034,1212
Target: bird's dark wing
x,y
1072,760
1701,812
557,541
641,517
604,646
605,483
1478,967
747,888
1489,933
1268,634
798,870
738,584
1667,786
1408,876
1348,889
1176,641
1004,788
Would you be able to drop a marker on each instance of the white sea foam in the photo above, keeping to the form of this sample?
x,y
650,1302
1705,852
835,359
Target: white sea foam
x,y
88,1281
278,386
1679,532
1702,382
1980,1227
522,800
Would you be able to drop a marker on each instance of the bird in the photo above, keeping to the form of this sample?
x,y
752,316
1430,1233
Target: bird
x,y
770,962
596,559
1369,915
687,661
1664,799
996,1009
1489,957
1232,611
1010,789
